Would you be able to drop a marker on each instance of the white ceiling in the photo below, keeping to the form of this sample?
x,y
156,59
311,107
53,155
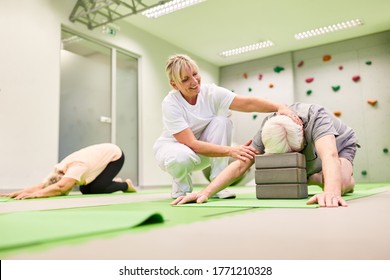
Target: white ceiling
x,y
213,26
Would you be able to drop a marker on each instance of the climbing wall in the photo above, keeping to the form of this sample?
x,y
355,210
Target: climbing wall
x,y
351,78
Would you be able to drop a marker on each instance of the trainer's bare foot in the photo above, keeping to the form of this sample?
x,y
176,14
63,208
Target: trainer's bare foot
x,y
130,185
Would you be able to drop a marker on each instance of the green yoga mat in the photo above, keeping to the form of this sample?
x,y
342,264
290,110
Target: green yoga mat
x,y
79,195
28,228
249,200
39,230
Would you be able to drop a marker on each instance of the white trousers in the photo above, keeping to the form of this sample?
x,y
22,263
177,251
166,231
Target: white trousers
x,y
179,160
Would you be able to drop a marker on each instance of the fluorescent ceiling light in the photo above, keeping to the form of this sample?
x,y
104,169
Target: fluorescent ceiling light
x,y
70,40
248,48
329,28
169,7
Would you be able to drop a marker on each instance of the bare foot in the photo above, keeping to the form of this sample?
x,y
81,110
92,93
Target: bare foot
x,y
118,180
130,185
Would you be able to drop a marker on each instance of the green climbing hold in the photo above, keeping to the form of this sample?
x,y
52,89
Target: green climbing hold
x,y
385,150
336,88
368,62
364,172
278,69
309,92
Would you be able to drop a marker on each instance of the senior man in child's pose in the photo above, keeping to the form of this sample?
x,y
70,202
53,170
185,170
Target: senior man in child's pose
x,y
328,144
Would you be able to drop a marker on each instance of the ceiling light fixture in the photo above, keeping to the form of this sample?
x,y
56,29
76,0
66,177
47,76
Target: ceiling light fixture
x,y
329,28
248,48
169,7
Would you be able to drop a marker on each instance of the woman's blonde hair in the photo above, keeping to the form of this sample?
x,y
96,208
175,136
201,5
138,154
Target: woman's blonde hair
x,y
281,134
176,63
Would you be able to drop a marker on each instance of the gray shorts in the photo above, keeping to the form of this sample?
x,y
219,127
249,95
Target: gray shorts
x,y
348,152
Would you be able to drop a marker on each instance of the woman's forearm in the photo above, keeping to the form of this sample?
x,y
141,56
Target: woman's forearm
x,y
210,149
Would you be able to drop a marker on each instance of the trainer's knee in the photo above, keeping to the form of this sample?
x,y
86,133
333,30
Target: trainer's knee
x,y
179,164
218,131
222,123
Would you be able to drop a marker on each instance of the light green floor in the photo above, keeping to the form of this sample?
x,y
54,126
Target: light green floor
x,y
37,230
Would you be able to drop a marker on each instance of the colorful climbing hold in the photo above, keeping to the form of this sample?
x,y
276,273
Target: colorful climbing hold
x,y
372,102
260,77
278,69
385,150
341,67
364,172
300,64
271,85
254,116
337,113
249,89
326,57
336,88
309,80
308,92
245,75
368,62
356,78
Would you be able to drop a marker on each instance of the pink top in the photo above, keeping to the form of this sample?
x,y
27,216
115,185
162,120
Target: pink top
x,y
86,164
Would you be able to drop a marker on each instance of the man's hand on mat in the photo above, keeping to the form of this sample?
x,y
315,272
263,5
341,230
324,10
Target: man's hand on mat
x,y
190,197
327,199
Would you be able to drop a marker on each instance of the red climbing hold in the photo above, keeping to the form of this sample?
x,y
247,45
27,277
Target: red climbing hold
x,y
356,78
309,80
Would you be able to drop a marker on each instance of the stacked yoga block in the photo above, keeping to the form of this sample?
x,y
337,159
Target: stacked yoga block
x,y
280,176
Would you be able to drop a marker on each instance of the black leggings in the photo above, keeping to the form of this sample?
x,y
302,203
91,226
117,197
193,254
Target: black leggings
x,y
104,183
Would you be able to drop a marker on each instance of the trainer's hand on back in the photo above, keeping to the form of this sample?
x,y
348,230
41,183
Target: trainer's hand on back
x,y
244,152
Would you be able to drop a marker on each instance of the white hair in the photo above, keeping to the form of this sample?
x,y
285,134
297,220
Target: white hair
x,y
281,134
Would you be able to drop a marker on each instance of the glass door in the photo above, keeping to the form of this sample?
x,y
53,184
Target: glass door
x,y
98,99
126,112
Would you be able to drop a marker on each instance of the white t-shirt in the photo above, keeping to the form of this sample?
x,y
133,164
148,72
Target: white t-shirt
x,y
178,114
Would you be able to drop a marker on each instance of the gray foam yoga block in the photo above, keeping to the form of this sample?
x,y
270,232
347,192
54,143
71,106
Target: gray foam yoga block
x,y
281,191
280,160
280,175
